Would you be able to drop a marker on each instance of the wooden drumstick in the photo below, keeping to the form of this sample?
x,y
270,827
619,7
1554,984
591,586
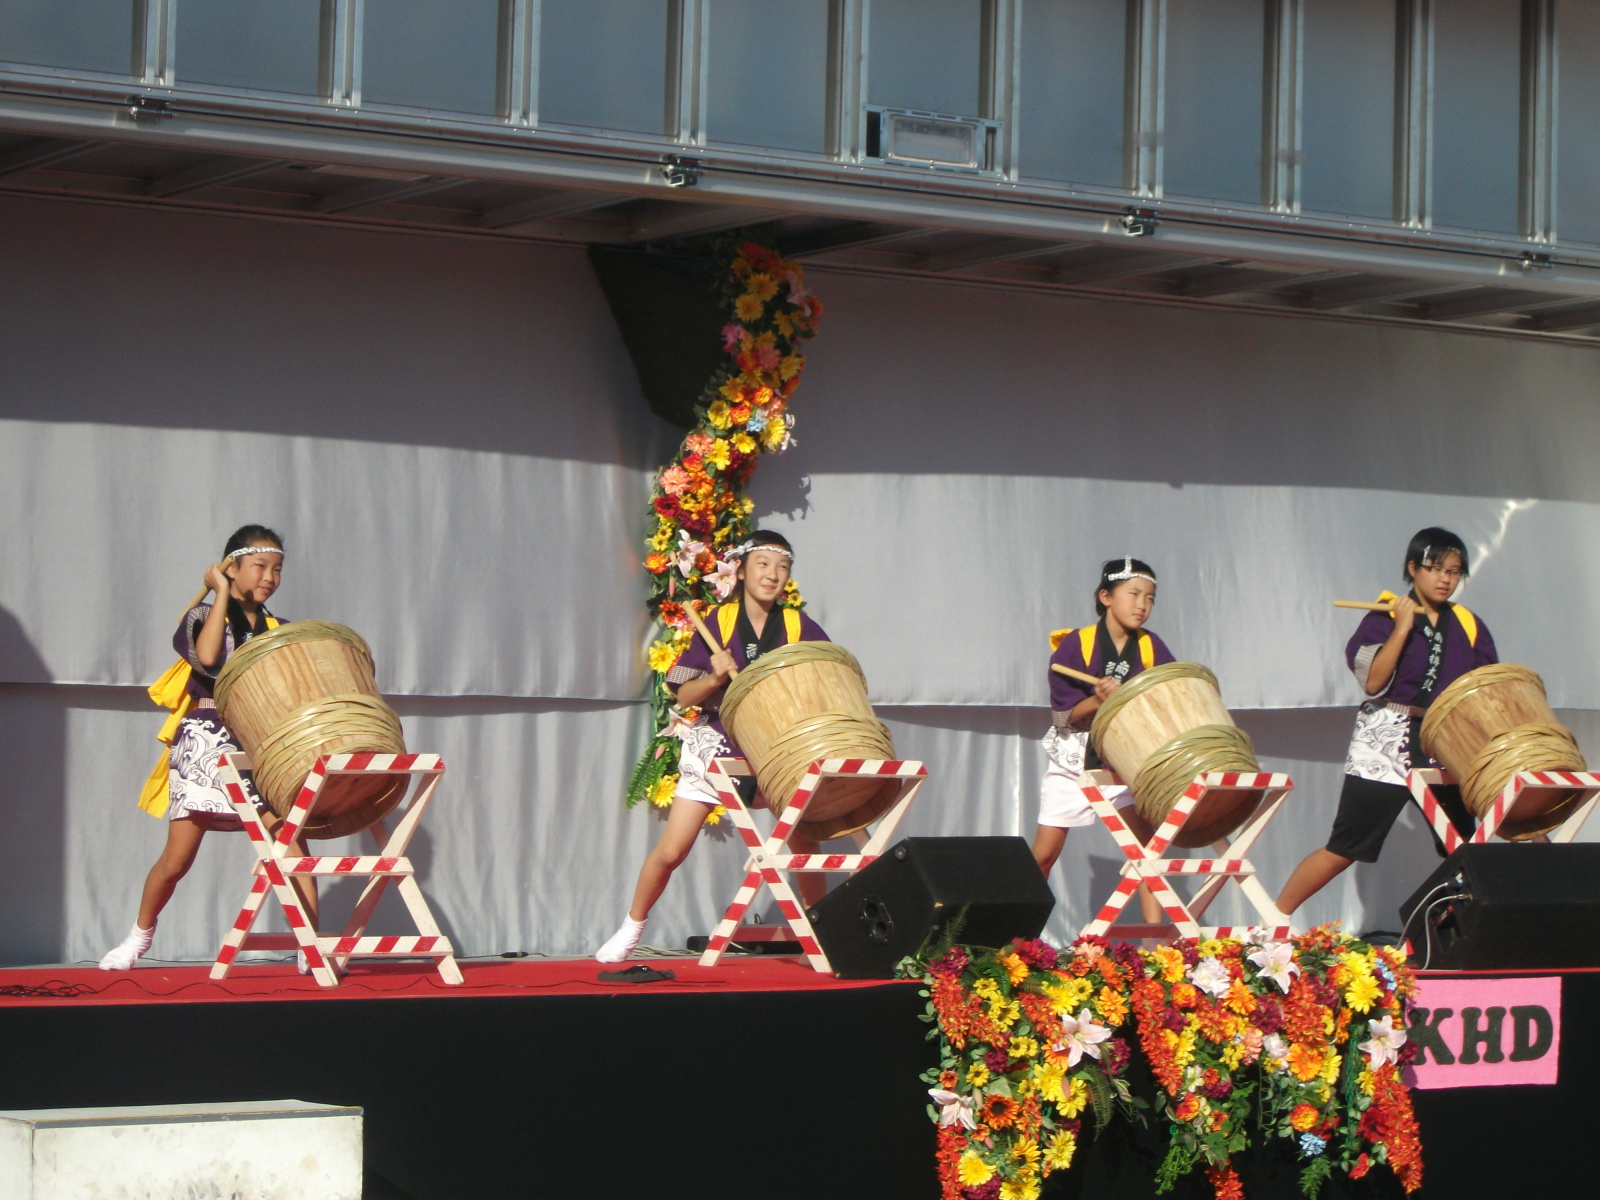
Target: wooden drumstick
x,y
1080,676
711,642
1383,606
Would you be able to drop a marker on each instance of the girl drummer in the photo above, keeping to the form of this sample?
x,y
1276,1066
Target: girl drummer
x,y
247,576
1114,649
1402,660
749,625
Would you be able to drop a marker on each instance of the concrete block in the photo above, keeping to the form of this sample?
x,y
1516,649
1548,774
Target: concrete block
x,y
252,1150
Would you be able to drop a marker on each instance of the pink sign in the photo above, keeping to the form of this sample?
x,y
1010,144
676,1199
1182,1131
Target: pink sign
x,y
1485,1032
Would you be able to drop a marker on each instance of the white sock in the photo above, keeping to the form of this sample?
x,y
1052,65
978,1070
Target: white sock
x,y
300,963
132,949
622,942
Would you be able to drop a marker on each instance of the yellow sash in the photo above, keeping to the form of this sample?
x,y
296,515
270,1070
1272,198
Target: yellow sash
x,y
1086,636
171,691
728,617
1464,617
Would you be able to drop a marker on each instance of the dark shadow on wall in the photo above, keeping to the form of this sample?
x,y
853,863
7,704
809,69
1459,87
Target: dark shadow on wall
x,y
33,792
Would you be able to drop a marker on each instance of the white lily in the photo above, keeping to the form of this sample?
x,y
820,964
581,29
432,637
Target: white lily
x,y
953,1109
723,578
1274,1047
1384,1045
1211,977
1275,960
1080,1036
688,550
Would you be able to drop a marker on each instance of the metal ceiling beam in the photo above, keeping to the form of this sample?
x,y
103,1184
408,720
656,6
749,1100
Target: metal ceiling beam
x,y
381,191
689,219
1568,321
994,251
1486,302
44,154
1231,281
1371,291
1123,264
213,173
567,203
849,236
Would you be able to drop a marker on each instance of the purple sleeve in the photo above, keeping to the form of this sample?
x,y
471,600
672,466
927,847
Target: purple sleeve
x,y
1483,651
1066,694
1162,655
810,631
694,662
1364,645
183,640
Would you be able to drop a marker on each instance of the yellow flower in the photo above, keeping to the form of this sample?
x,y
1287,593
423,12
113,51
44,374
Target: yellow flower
x,y
1004,1012
746,506
1025,1150
1058,1154
1362,993
662,656
733,390
1022,1089
717,414
1112,1005
744,443
762,286
1366,1082
1069,995
785,324
1168,964
719,454
973,1171
772,436
748,307
1048,1078
790,366
1024,1047
1330,1066
1233,1055
1210,948
1077,1097
663,536
987,988
716,815
977,1075
1021,1188
661,794
1183,1054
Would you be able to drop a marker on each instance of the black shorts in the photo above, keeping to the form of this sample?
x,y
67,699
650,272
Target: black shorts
x,y
1367,811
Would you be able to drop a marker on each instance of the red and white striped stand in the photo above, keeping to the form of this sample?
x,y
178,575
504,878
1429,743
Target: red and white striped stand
x,y
770,857
277,863
1586,783
1146,865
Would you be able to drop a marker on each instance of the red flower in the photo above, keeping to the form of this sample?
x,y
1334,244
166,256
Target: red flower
x,y
1225,1182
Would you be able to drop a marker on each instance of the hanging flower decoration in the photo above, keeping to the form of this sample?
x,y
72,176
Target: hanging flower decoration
x,y
699,509
1303,1039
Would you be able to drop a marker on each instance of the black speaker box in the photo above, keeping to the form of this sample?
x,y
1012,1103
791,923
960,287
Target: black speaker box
x,y
1509,905
886,911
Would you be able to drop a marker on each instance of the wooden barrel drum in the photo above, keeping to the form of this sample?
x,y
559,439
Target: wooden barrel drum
x,y
1161,729
801,703
1492,723
301,691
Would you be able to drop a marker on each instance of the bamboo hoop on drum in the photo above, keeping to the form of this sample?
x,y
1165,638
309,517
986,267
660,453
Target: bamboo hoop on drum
x,y
340,724
1537,746
284,635
825,735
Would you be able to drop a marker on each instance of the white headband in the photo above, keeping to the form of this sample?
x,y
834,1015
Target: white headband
x,y
745,548
1128,572
244,550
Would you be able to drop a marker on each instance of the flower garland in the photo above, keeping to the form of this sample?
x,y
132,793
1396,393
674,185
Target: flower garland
x,y
1301,1039
1027,1044
698,503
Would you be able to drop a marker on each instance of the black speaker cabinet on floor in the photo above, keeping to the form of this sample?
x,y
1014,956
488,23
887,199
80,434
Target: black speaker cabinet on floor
x,y
884,912
1506,905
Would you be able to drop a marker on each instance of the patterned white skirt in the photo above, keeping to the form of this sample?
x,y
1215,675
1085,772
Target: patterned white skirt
x,y
194,786
1380,748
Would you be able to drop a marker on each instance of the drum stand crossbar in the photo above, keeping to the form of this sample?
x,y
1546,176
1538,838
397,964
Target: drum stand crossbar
x,y
1585,783
771,860
1146,865
276,864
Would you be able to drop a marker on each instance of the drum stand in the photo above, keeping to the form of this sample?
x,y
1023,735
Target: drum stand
x,y
771,858
1586,783
277,864
1146,865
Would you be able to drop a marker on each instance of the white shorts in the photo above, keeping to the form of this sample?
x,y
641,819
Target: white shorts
x,y
1062,804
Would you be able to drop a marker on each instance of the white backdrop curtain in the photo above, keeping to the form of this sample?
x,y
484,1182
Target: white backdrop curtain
x,y
450,436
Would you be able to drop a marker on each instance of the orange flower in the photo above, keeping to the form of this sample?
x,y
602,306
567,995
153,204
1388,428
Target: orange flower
x,y
1239,998
1185,995
1302,1118
1016,969
999,1111
1218,1024
1188,1108
1113,1008
1305,1062
657,563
